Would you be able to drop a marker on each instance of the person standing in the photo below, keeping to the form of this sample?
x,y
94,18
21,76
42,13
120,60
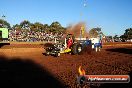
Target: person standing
x,y
70,42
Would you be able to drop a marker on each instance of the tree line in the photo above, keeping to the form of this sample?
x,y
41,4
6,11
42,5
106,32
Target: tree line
x,y
56,27
26,25
95,32
127,35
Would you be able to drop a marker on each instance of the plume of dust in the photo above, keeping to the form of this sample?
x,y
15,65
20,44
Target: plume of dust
x,y
76,29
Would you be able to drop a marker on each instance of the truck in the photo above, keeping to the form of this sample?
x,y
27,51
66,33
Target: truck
x,y
4,36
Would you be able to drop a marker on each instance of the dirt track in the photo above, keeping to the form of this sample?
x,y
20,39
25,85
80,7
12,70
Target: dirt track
x,y
110,60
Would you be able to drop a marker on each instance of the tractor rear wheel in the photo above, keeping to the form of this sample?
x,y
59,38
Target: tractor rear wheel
x,y
76,49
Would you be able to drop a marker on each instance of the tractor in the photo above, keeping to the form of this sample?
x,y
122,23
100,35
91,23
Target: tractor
x,y
78,45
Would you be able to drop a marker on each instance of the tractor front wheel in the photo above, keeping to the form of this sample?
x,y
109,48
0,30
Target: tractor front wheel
x,y
57,54
47,54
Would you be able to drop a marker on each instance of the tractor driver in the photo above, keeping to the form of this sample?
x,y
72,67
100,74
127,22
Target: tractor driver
x,y
69,42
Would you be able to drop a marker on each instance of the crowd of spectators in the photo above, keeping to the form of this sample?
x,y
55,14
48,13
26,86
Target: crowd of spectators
x,y
31,36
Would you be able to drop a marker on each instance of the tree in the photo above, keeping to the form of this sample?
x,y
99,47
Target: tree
x,y
4,24
95,32
38,26
116,38
46,27
32,27
16,27
25,24
98,30
56,27
55,24
127,35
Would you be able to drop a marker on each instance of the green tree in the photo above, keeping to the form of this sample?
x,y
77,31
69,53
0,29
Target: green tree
x,y
32,27
98,30
4,24
16,27
38,26
127,35
116,38
46,27
56,27
95,32
25,24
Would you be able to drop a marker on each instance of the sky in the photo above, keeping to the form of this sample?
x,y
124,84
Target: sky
x,y
113,16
